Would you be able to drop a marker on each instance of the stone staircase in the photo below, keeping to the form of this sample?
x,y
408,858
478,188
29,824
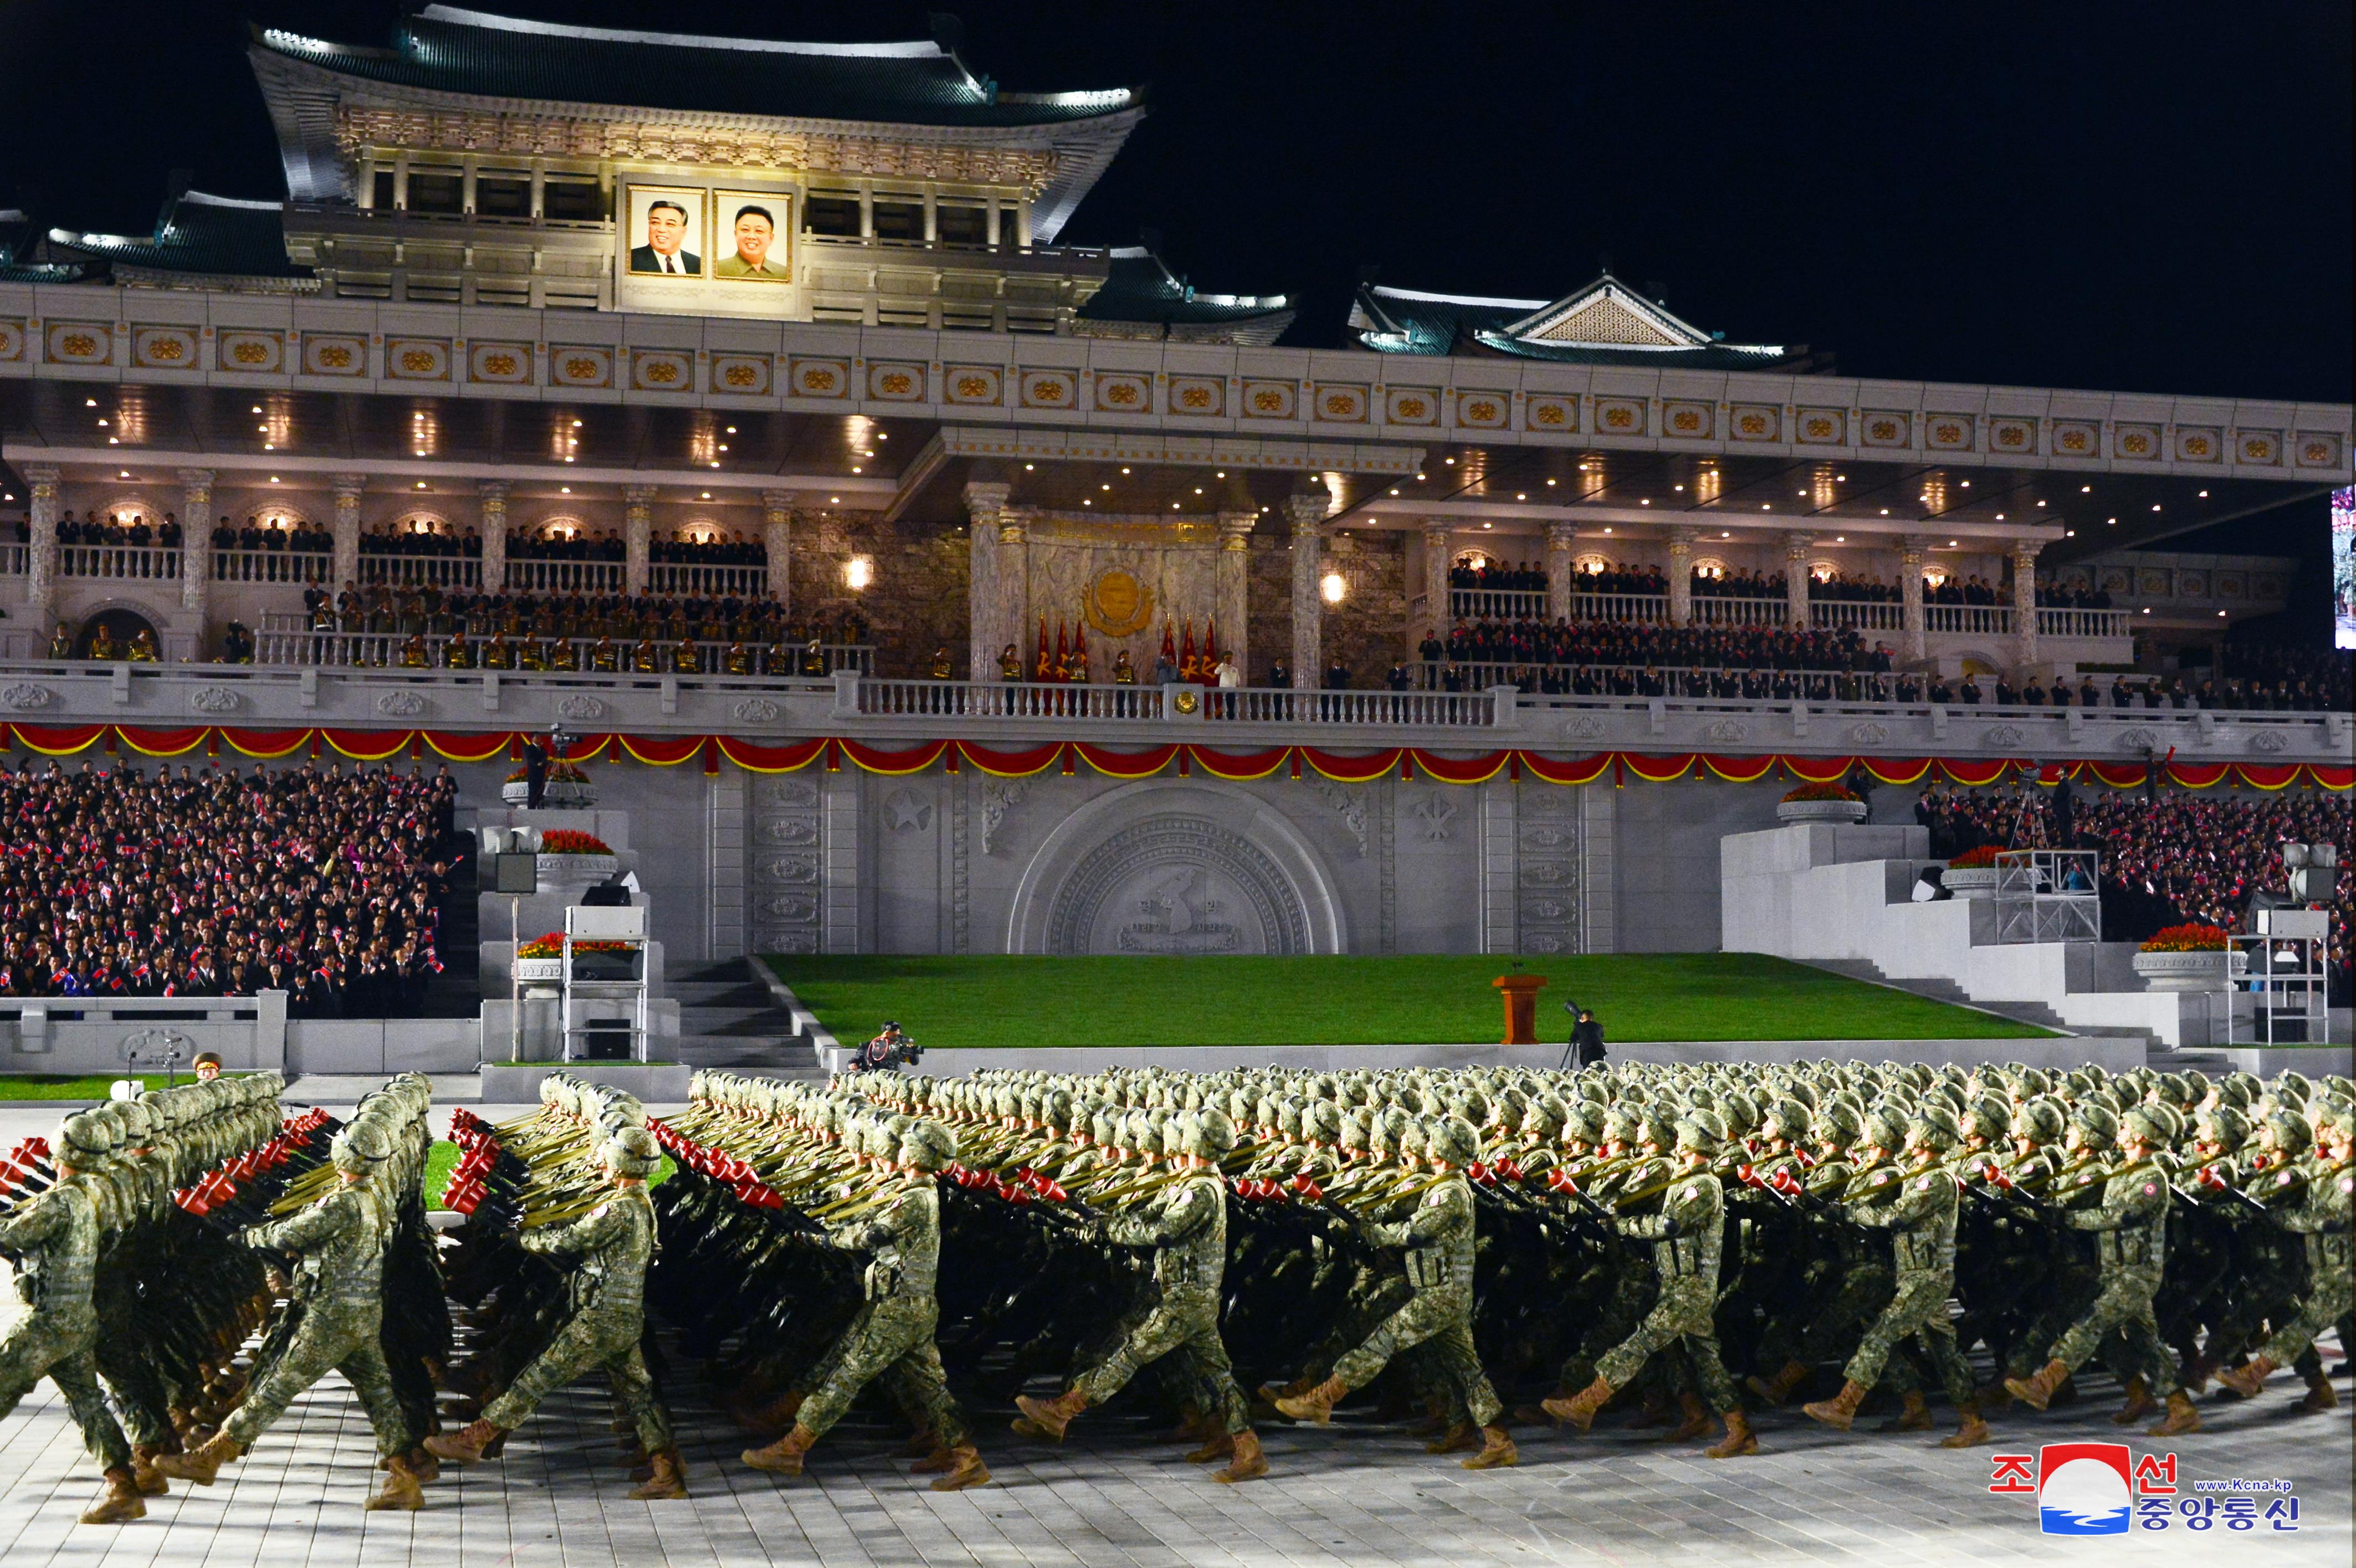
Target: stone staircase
x,y
2036,1013
728,1018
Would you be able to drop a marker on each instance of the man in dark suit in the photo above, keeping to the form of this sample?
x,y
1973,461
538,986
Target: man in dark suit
x,y
666,232
1586,1036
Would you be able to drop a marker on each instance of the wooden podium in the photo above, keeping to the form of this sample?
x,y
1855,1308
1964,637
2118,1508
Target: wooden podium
x,y
1521,1006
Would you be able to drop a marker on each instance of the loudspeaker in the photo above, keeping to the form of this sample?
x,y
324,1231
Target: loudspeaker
x,y
516,874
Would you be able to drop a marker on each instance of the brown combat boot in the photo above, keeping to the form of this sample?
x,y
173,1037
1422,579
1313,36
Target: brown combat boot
x,y
202,1464
424,1465
2319,1394
1317,1405
1192,1426
1972,1433
1654,1410
2197,1373
1696,1420
2245,1380
1840,1411
470,1442
1739,1438
667,1477
1579,1410
121,1502
1497,1451
143,1474
922,1443
1778,1389
1218,1446
782,1457
2181,1417
399,1490
1249,1464
1913,1414
1047,1417
966,1469
1456,1440
1992,1396
2036,1392
2139,1403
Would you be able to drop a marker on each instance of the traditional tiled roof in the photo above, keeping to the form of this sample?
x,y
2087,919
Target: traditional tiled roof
x,y
447,50
1603,322
20,241
1139,290
199,235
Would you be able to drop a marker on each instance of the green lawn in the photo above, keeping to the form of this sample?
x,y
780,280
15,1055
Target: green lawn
x,y
1405,1000
59,1086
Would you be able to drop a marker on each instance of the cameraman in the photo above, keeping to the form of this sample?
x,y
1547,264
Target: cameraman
x,y
887,1050
1586,1048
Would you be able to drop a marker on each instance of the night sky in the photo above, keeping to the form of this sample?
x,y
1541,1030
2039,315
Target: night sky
x,y
2146,198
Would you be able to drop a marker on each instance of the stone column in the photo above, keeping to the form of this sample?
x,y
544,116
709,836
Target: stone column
x,y
1438,542
196,542
2024,601
1232,602
346,528
1797,548
637,535
1909,592
1560,540
985,504
41,560
1681,549
777,543
493,526
1306,510
1010,590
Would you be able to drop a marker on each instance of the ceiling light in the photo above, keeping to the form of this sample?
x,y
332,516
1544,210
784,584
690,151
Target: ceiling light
x,y
2204,495
111,441
731,430
1521,495
576,424
855,468
1488,525
1223,473
1198,490
1124,471
420,484
274,479
1967,483
1104,487
2040,503
834,500
882,435
1447,460
1951,544
1026,468
1885,511
2155,505
1680,486
2000,517
1174,505
1607,530
1393,490
707,494
564,489
1645,502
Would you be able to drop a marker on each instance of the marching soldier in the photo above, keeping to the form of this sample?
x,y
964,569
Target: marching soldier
x,y
2322,1219
894,1336
2131,1236
615,1243
1920,1214
1439,1242
340,1290
1687,1235
1187,1226
55,1238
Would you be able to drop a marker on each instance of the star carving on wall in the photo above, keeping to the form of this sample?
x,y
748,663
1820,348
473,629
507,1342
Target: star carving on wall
x,y
906,812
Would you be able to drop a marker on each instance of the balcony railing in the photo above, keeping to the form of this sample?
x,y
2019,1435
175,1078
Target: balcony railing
x,y
1712,610
1007,700
1497,603
281,644
1973,620
1856,614
420,570
142,562
306,567
15,559
708,581
2059,622
600,576
1620,607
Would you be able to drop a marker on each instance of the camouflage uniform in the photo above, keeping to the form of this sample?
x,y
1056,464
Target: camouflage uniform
x,y
893,1338
339,1291
1438,1315
1187,1225
57,1237
2323,1219
1687,1235
1920,1214
614,1242
2131,1230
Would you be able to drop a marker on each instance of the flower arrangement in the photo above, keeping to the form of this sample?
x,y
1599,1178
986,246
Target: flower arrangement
x,y
552,945
1980,860
571,841
558,772
1820,792
2187,939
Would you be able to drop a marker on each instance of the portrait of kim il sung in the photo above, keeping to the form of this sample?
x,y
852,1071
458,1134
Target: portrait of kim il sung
x,y
758,224
667,224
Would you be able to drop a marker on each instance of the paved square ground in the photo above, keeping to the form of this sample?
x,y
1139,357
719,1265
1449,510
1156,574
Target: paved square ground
x,y
1355,1495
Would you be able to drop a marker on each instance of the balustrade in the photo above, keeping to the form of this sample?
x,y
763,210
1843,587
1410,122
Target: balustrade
x,y
306,567
464,572
736,582
594,577
148,563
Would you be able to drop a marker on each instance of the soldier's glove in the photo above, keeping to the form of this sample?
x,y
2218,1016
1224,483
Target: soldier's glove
x,y
1669,1226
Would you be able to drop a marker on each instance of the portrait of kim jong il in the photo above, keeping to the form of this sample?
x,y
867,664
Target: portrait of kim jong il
x,y
757,257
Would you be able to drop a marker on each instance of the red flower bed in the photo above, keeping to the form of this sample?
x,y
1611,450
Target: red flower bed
x,y
2186,939
1820,792
571,841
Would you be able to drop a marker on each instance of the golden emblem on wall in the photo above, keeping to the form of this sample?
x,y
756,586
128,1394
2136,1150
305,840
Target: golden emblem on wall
x,y
1116,604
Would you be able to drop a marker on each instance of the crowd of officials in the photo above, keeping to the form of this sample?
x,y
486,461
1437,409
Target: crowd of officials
x,y
330,886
